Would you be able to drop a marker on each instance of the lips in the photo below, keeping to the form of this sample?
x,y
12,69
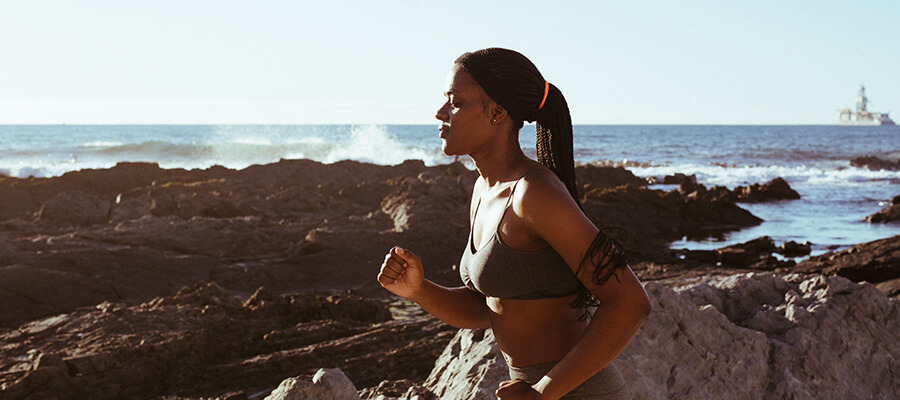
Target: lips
x,y
445,129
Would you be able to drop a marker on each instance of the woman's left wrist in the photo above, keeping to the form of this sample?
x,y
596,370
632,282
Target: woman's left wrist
x,y
541,388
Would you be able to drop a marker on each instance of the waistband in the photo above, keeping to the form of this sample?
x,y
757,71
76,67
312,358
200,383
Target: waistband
x,y
607,384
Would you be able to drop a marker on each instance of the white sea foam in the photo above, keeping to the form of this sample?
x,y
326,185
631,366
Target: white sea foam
x,y
374,144
102,143
746,175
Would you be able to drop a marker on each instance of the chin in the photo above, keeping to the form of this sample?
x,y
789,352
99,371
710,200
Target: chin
x,y
447,150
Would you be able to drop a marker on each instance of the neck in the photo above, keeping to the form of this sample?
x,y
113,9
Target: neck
x,y
502,161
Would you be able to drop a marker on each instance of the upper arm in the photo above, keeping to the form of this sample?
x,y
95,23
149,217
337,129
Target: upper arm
x,y
552,215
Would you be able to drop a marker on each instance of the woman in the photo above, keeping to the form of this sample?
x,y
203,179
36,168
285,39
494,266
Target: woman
x,y
534,261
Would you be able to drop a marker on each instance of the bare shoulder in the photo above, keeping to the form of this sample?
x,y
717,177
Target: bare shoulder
x,y
540,192
550,213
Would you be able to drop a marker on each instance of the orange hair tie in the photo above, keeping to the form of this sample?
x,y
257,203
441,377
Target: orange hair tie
x,y
546,89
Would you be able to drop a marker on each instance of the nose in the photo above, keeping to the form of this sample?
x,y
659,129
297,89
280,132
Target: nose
x,y
443,113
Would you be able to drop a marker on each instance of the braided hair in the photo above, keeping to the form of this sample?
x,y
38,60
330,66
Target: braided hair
x,y
512,80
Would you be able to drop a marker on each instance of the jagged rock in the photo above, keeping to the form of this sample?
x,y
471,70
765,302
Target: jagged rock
x,y
875,163
428,200
873,262
670,215
747,253
680,179
755,254
890,288
205,340
327,384
776,189
794,249
888,215
403,389
591,176
746,336
471,367
846,335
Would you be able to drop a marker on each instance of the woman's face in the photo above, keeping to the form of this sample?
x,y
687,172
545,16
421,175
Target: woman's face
x,y
465,123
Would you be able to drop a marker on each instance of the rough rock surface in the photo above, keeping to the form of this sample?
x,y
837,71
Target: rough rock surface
x,y
205,342
890,214
747,336
875,163
136,231
91,261
471,367
326,384
646,220
873,262
775,190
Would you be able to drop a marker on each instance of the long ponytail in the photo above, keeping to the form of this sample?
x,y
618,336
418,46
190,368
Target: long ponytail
x,y
554,139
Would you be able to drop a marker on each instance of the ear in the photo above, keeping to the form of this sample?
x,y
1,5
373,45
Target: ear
x,y
497,113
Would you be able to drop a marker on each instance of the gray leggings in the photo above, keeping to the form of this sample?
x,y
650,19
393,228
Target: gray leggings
x,y
605,385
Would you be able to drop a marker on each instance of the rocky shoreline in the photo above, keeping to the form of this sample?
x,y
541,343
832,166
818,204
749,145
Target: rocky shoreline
x,y
141,282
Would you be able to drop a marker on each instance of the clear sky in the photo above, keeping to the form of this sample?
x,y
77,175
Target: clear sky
x,y
384,62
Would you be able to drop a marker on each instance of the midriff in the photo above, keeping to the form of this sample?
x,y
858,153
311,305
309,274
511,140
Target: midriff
x,y
538,331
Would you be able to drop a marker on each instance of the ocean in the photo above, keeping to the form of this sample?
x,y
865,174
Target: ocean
x,y
815,161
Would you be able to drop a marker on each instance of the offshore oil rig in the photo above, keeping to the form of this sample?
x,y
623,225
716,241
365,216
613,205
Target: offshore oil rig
x,y
862,116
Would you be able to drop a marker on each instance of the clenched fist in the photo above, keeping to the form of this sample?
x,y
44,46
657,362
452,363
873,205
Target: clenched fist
x,y
401,273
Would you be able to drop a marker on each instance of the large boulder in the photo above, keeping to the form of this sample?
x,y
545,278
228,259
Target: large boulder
x,y
471,367
774,190
745,336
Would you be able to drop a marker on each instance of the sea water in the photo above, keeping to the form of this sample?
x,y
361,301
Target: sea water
x,y
815,161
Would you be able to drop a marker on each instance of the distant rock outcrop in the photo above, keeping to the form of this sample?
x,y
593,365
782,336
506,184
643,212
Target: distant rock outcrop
x,y
775,190
873,262
890,214
875,163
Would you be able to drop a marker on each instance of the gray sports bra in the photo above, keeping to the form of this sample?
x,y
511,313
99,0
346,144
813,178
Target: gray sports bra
x,y
497,270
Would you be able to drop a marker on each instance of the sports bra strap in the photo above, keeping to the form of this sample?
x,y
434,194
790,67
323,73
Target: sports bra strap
x,y
512,191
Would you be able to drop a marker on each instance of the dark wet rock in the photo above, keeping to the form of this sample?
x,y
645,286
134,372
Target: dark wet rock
x,y
771,263
679,179
753,254
590,176
873,262
665,215
794,249
774,190
875,163
891,214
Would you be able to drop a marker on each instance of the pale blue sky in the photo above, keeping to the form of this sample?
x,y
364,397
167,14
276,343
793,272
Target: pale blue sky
x,y
639,62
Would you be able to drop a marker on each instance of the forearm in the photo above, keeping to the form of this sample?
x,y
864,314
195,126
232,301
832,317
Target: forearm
x,y
458,307
610,330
